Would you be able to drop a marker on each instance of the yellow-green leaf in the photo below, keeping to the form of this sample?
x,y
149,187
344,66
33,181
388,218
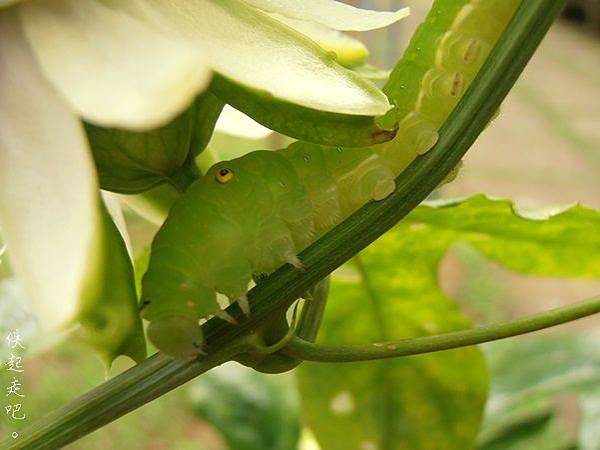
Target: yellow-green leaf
x,y
431,401
557,242
109,310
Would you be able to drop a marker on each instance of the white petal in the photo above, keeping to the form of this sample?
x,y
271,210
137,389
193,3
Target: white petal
x,y
48,187
15,314
112,68
235,123
349,51
256,51
113,206
332,14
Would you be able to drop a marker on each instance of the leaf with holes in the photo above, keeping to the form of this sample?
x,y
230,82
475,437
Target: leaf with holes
x,y
552,242
391,292
422,402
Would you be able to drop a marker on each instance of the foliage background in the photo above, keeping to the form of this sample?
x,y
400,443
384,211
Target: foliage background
x,y
542,150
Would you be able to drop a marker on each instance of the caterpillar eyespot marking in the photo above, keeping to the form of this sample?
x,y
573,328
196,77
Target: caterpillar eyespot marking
x,y
224,175
215,240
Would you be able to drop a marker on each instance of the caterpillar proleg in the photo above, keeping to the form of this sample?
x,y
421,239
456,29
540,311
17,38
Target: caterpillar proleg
x,y
252,214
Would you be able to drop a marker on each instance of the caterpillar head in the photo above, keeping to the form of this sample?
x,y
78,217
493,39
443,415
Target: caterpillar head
x,y
258,179
230,224
176,335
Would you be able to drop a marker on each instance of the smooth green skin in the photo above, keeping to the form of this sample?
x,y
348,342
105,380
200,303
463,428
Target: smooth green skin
x,y
110,316
131,162
277,203
271,205
253,224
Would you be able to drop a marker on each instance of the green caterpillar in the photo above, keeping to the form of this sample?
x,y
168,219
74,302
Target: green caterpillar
x,y
250,215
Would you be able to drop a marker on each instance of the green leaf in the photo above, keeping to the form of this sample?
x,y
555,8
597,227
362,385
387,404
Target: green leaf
x,y
425,402
532,373
208,111
551,243
140,265
393,294
543,432
527,373
132,162
251,410
109,311
311,125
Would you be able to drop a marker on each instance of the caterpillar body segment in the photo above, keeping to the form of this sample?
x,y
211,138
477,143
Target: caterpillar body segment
x,y
248,216
254,214
441,61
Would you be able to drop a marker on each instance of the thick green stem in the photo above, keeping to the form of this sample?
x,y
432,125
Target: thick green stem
x,y
312,312
158,375
301,349
154,377
185,176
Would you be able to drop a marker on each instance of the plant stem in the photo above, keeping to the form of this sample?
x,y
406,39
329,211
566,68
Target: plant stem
x,y
301,349
158,375
312,312
154,377
185,176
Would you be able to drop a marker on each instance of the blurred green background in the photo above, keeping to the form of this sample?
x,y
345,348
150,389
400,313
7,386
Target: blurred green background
x,y
542,150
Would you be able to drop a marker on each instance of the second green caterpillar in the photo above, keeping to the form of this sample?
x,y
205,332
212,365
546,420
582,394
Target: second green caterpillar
x,y
250,215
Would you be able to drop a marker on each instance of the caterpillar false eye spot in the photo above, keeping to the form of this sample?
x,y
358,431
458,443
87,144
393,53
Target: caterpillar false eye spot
x,y
224,175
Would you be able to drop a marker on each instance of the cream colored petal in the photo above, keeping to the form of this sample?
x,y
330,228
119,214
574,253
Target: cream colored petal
x,y
113,206
256,51
112,68
332,14
48,188
349,51
235,123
